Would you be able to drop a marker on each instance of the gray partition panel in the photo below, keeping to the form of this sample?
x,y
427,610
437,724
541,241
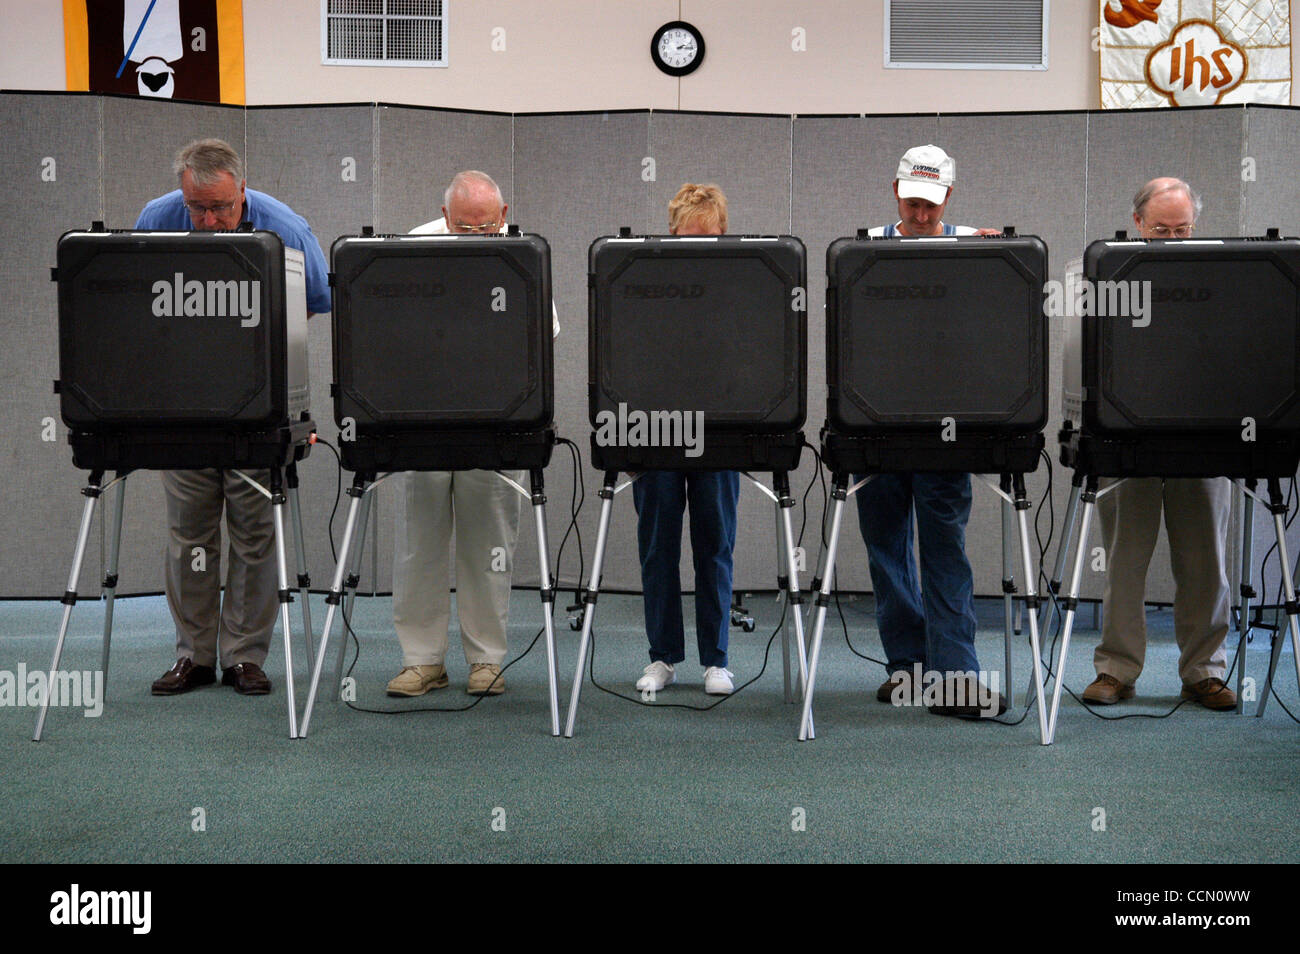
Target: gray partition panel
x,y
419,150
578,177
1126,149
49,167
320,161
690,147
1272,198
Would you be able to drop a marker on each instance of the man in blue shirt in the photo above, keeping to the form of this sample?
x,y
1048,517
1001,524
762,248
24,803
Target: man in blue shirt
x,y
212,197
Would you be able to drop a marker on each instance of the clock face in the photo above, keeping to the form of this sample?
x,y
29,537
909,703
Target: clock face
x,y
677,48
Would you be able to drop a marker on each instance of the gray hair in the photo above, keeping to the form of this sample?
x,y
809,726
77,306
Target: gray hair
x,y
1152,189
206,159
461,181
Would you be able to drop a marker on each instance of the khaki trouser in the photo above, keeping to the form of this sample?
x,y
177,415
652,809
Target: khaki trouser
x,y
483,511
1196,519
239,629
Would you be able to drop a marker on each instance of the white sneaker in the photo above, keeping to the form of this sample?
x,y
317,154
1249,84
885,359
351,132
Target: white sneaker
x,y
655,677
717,681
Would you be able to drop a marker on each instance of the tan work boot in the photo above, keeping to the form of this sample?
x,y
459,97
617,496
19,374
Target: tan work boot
x,y
1106,690
1212,694
417,680
485,680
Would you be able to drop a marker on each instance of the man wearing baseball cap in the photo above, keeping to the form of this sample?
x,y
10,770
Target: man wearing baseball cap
x,y
932,624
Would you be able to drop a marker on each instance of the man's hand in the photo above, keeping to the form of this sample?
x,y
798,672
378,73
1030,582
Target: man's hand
x,y
988,231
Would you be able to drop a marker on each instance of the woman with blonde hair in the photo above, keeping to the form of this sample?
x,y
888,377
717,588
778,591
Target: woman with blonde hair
x,y
661,496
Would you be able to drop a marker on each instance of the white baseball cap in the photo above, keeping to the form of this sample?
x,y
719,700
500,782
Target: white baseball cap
x,y
926,172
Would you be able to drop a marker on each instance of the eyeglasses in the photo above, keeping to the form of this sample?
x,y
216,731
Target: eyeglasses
x,y
1165,231
478,229
198,211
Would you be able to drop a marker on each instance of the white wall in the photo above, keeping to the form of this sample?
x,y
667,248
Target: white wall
x,y
594,54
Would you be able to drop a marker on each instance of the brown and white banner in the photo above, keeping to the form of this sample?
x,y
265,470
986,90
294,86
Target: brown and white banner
x,y
1194,52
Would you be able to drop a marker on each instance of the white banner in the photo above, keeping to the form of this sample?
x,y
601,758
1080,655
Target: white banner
x,y
1194,52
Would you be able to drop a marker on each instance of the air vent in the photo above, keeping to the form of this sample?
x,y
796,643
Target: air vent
x,y
966,34
383,32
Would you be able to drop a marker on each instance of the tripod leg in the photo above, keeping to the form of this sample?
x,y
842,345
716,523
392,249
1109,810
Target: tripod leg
x,y
300,552
1247,591
350,588
91,492
839,493
1031,604
353,581
1062,551
1277,506
286,597
782,584
1089,500
589,597
547,589
109,589
781,485
334,599
1008,587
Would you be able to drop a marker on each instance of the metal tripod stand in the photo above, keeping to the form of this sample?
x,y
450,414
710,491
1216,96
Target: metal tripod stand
x,y
1011,489
789,581
340,590
283,487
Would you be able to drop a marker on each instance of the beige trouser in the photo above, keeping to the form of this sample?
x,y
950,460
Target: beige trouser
x,y
240,627
483,510
1196,519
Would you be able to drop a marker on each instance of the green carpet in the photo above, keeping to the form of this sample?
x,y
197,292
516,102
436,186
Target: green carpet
x,y
636,783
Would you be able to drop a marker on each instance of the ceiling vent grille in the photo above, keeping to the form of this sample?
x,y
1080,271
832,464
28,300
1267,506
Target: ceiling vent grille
x,y
966,34
383,32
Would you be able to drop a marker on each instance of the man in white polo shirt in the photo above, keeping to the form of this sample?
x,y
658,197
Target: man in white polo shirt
x,y
476,506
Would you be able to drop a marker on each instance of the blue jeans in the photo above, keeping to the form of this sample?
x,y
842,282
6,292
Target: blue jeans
x,y
661,496
933,624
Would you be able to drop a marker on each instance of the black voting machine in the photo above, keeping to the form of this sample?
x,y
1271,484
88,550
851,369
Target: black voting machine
x,y
936,360
442,361
1201,380
686,328
181,352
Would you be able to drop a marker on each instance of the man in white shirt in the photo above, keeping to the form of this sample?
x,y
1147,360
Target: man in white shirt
x,y
481,508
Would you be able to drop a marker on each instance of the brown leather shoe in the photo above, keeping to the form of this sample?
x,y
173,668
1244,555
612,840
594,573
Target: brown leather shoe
x,y
1106,690
886,691
1212,694
247,678
183,677
967,698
